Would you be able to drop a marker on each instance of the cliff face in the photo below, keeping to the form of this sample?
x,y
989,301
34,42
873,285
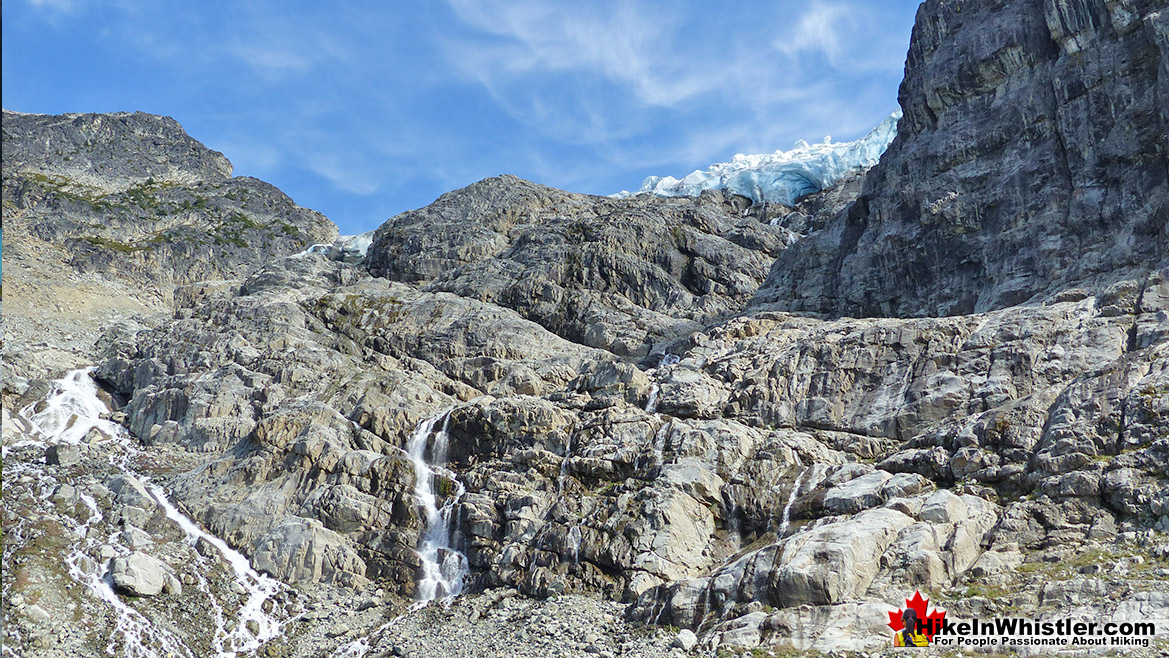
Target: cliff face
x,y
111,152
1033,157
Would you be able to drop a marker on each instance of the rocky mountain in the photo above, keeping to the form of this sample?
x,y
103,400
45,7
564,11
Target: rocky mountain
x,y
105,213
620,275
635,426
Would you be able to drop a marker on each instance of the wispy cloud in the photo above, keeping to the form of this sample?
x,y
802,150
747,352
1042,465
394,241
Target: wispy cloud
x,y
850,35
622,43
59,6
365,108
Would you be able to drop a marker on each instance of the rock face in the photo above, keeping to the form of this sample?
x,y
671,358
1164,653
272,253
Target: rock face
x,y
1033,157
110,152
620,275
135,197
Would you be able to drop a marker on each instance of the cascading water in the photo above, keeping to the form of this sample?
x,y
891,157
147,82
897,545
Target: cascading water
x,y
254,626
67,416
787,509
139,637
444,569
574,542
651,405
815,474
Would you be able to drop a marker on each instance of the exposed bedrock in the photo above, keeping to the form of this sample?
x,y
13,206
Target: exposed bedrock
x,y
1033,157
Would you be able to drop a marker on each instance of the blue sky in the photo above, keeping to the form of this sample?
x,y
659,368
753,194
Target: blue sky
x,y
364,109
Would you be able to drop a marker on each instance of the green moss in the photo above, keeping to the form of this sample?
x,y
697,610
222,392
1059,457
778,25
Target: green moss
x,y
986,591
113,245
240,218
145,194
76,192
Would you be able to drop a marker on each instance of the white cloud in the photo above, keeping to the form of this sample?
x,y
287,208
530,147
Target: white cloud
x,y
59,6
623,44
851,36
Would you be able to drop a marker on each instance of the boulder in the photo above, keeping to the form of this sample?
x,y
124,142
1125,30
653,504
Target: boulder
x,y
140,574
63,454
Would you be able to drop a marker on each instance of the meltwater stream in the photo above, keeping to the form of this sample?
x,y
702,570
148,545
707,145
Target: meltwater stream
x,y
66,416
444,569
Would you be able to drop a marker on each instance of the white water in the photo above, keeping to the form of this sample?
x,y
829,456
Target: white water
x,y
659,448
68,413
816,473
651,405
444,569
140,638
259,587
787,509
574,537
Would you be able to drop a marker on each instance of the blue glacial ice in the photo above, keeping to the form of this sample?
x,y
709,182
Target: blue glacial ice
x,y
348,248
783,176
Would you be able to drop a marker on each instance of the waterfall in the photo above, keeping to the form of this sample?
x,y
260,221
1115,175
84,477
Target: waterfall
x,y
574,542
816,472
67,415
651,405
787,509
444,569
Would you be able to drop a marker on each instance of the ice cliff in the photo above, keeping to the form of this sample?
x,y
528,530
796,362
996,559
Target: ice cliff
x,y
783,176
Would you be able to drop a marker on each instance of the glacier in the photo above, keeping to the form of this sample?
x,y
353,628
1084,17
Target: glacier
x,y
783,176
347,248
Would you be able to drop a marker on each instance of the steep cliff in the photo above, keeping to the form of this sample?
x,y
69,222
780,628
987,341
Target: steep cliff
x,y
1033,157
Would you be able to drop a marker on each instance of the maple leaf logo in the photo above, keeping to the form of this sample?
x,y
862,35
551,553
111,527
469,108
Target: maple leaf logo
x,y
929,623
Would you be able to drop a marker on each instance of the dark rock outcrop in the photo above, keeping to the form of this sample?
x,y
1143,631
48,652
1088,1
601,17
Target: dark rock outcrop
x,y
1033,157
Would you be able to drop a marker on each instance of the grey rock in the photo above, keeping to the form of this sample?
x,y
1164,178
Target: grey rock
x,y
63,454
114,150
685,640
65,495
935,231
136,539
304,550
140,574
37,614
943,507
129,490
620,275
